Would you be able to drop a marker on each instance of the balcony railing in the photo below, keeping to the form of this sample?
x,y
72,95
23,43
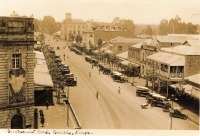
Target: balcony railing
x,y
176,75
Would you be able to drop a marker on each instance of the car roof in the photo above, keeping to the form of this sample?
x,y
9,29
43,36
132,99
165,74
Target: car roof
x,y
159,96
177,108
142,87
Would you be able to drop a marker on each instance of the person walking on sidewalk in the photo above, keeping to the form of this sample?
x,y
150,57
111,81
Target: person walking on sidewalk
x,y
119,90
42,121
97,94
47,104
41,113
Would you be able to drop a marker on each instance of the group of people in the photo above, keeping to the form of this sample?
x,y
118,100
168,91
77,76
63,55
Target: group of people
x,y
97,93
42,119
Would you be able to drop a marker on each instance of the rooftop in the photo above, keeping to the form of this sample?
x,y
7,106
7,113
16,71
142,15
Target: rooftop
x,y
41,72
168,58
173,39
194,78
184,50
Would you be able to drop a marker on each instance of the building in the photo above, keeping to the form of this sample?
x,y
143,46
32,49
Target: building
x,y
71,27
104,32
16,72
172,40
172,65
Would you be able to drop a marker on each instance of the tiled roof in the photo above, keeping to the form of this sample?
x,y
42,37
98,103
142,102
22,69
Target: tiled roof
x,y
184,49
168,58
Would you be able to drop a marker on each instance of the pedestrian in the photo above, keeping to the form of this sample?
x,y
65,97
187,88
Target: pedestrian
x,y
119,90
42,121
47,104
89,74
41,113
99,71
97,94
92,65
64,57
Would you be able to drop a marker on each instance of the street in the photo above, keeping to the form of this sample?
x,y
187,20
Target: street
x,y
111,110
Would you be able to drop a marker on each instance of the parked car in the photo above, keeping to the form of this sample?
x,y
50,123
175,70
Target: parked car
x,y
142,91
88,58
154,96
160,103
71,81
176,112
119,78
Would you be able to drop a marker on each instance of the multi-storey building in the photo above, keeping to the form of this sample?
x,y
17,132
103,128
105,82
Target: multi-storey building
x,y
16,72
137,54
174,64
72,27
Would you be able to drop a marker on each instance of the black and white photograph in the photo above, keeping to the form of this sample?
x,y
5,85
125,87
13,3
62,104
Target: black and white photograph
x,y
100,67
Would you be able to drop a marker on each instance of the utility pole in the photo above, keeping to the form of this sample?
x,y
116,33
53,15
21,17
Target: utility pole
x,y
68,104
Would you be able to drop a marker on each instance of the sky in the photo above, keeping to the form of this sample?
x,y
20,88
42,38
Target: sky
x,y
140,11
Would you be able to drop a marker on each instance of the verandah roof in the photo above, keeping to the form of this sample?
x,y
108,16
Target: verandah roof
x,y
168,58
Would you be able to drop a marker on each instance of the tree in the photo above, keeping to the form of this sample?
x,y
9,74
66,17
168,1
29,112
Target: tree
x,y
175,25
78,39
126,23
99,43
148,30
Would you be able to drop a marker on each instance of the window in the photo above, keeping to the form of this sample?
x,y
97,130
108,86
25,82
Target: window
x,y
120,48
16,61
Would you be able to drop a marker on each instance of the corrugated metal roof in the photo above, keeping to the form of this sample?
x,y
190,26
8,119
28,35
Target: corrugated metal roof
x,y
194,78
168,58
125,62
184,49
173,39
123,55
192,42
120,39
150,42
41,72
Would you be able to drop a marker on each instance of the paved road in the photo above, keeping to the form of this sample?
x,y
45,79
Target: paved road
x,y
112,110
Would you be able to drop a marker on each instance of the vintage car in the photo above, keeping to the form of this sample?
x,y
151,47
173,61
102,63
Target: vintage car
x,y
118,77
88,58
71,81
154,96
176,112
142,91
95,62
160,103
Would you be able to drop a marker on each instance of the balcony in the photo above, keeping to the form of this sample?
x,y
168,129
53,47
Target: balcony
x,y
176,75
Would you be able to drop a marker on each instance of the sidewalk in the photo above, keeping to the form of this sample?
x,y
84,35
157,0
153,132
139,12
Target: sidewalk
x,y
55,116
141,82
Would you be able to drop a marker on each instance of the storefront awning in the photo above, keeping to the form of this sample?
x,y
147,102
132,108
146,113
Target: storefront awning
x,y
125,62
189,89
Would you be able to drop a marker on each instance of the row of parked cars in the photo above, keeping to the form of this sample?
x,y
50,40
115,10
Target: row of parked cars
x,y
116,76
59,71
157,100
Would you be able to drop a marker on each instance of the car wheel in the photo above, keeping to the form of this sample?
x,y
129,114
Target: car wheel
x,y
185,117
